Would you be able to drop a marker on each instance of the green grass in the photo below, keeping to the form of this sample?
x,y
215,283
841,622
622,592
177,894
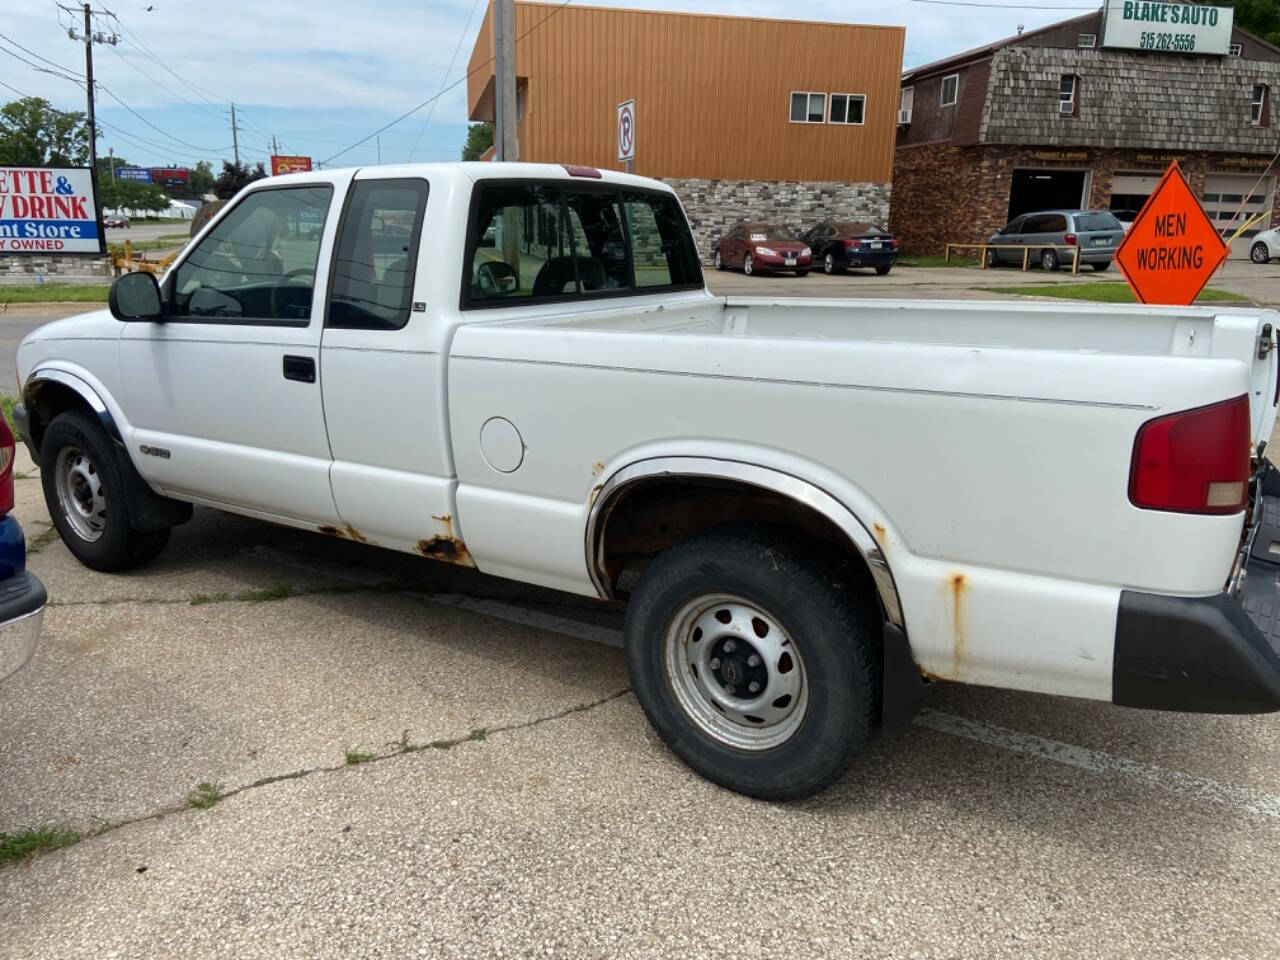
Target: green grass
x,y
6,404
1105,291
29,843
204,796
55,293
936,260
354,757
200,599
281,591
177,239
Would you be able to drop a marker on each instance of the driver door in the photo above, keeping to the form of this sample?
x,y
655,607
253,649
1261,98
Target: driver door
x,y
224,395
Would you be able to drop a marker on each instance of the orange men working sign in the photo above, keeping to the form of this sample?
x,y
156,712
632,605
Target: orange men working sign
x,y
1172,248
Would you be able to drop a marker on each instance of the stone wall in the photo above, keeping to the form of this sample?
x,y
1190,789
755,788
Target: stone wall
x,y
54,265
713,206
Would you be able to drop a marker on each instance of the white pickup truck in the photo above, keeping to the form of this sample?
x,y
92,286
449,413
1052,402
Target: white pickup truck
x,y
813,507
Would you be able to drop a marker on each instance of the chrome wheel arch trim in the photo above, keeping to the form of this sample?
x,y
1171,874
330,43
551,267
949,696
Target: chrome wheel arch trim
x,y
81,387
792,487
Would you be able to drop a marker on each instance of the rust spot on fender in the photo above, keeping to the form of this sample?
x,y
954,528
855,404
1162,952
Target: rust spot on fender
x,y
881,537
448,549
959,640
598,468
595,492
346,532
329,531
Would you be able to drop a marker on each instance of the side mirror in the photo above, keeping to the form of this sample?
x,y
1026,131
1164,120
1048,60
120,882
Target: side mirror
x,y
136,296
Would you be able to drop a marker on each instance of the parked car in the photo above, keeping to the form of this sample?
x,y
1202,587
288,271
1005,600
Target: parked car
x,y
1097,234
760,248
115,220
1266,246
841,244
22,595
751,475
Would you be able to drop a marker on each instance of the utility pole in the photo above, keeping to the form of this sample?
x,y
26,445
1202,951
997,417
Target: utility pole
x,y
90,38
504,92
235,139
378,139
275,147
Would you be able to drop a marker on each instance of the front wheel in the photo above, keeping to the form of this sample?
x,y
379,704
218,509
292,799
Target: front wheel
x,y
1260,253
85,493
719,263
829,264
756,659
1049,259
747,265
991,258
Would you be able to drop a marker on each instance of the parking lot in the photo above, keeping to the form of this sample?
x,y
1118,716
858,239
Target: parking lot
x,y
280,744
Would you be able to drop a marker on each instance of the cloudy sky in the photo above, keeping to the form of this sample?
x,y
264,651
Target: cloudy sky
x,y
323,74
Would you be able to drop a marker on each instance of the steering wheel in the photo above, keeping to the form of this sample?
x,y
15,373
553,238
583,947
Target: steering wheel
x,y
284,279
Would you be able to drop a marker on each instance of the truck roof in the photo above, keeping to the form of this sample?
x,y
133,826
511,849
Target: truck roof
x,y
482,170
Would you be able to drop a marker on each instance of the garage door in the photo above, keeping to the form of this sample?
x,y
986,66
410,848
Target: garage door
x,y
1129,191
1224,197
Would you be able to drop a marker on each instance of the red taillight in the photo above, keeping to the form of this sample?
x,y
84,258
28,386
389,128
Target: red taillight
x,y
854,243
1196,461
6,467
1070,238
893,244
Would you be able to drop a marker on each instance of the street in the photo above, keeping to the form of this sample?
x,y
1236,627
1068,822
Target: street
x,y
417,759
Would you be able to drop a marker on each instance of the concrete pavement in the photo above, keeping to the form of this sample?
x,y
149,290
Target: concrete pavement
x,y
513,802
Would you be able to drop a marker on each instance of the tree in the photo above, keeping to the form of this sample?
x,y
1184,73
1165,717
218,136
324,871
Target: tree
x,y
132,195
234,176
479,139
1259,17
33,134
202,179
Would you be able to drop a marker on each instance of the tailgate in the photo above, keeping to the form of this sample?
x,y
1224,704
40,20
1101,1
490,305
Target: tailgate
x,y
1249,336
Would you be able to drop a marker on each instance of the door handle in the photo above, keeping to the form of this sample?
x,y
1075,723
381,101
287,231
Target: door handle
x,y
302,369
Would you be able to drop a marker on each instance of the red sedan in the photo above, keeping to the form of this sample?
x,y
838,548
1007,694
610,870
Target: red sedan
x,y
759,247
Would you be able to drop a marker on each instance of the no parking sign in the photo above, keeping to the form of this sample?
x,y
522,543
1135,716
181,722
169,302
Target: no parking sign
x,y
627,130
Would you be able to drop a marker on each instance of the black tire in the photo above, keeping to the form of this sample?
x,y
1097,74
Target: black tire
x,y
718,261
118,546
829,265
802,273
827,619
992,258
1049,259
1099,267
1260,253
884,271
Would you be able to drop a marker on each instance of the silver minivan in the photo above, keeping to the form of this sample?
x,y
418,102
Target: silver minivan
x,y
1051,234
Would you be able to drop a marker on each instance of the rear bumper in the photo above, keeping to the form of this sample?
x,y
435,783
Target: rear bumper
x,y
1095,254
1218,654
870,258
22,602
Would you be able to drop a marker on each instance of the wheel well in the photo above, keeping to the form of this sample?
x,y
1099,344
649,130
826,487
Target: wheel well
x,y
46,399
649,516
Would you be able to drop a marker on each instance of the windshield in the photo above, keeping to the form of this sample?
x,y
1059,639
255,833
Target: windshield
x,y
1096,221
767,231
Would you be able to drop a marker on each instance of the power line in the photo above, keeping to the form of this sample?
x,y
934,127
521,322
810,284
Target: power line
x,y
134,66
444,77
78,80
143,48
442,91
107,90
14,43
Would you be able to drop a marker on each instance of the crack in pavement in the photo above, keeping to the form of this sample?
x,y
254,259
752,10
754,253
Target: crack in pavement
x,y
402,748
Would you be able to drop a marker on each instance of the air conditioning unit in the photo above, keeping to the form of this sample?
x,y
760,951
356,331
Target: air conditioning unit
x,y
904,116
1066,106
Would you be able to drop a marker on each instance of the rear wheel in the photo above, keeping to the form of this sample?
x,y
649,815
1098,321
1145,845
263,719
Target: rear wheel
x,y
756,660
1260,253
884,271
747,266
719,263
1101,266
85,493
829,264
1049,259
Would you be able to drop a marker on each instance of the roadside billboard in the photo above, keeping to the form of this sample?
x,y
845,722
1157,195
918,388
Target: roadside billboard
x,y
171,176
48,210
137,174
280,165
1167,27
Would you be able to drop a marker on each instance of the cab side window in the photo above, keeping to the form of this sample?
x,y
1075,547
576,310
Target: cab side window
x,y
662,247
377,255
258,265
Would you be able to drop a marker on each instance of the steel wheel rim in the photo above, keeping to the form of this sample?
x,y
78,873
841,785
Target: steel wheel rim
x,y
730,631
1260,253
80,495
746,264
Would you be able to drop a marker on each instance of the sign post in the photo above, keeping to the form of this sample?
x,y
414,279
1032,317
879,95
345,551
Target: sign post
x,y
627,133
1172,248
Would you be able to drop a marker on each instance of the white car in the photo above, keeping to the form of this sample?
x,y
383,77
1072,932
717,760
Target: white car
x,y
1266,246
813,507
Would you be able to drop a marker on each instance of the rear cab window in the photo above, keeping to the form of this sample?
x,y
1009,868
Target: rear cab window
x,y
532,242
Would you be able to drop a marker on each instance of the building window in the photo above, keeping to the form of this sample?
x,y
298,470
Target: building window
x,y
1258,107
1087,40
848,108
808,107
1069,95
906,100
950,87
1234,50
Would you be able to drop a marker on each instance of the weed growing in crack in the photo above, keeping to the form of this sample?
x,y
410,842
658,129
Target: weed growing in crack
x,y
281,591
204,796
29,843
355,756
42,540
203,598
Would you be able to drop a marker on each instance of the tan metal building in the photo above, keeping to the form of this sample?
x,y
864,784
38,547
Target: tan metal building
x,y
746,117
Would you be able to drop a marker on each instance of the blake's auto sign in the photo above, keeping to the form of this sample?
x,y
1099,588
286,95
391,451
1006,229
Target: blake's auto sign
x,y
48,210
